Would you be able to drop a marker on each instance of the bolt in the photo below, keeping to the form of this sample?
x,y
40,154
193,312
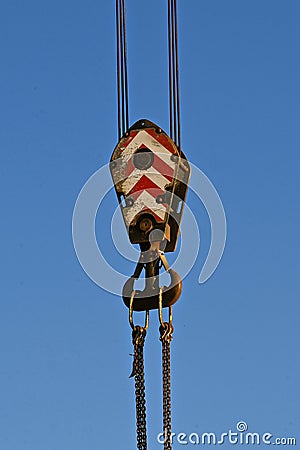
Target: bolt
x,y
146,224
129,201
160,199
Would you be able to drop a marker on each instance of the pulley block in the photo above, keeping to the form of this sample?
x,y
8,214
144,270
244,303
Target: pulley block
x,y
150,175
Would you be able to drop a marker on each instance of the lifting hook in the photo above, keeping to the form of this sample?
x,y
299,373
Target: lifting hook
x,y
149,298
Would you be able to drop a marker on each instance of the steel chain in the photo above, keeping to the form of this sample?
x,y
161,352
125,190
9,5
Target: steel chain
x,y
138,340
166,331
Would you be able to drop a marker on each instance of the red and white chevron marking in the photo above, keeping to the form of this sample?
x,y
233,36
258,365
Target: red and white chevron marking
x,y
143,186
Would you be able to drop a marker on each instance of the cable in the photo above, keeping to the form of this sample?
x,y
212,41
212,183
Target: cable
x,y
174,94
118,66
171,107
177,74
126,114
122,71
122,78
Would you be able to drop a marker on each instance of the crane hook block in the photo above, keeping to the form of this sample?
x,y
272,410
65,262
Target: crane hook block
x,y
150,175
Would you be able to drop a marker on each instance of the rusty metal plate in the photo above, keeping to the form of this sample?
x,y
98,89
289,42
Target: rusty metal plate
x,y
150,175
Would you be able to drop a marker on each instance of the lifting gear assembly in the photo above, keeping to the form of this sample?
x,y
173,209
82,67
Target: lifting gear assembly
x,y
150,174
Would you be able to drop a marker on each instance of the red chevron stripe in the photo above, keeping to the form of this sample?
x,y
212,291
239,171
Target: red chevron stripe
x,y
158,164
130,167
145,184
163,167
162,139
127,141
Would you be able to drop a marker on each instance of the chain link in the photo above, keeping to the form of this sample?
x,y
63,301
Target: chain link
x,y
138,340
166,330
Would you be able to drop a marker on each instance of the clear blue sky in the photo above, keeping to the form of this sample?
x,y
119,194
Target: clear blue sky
x,y
65,343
